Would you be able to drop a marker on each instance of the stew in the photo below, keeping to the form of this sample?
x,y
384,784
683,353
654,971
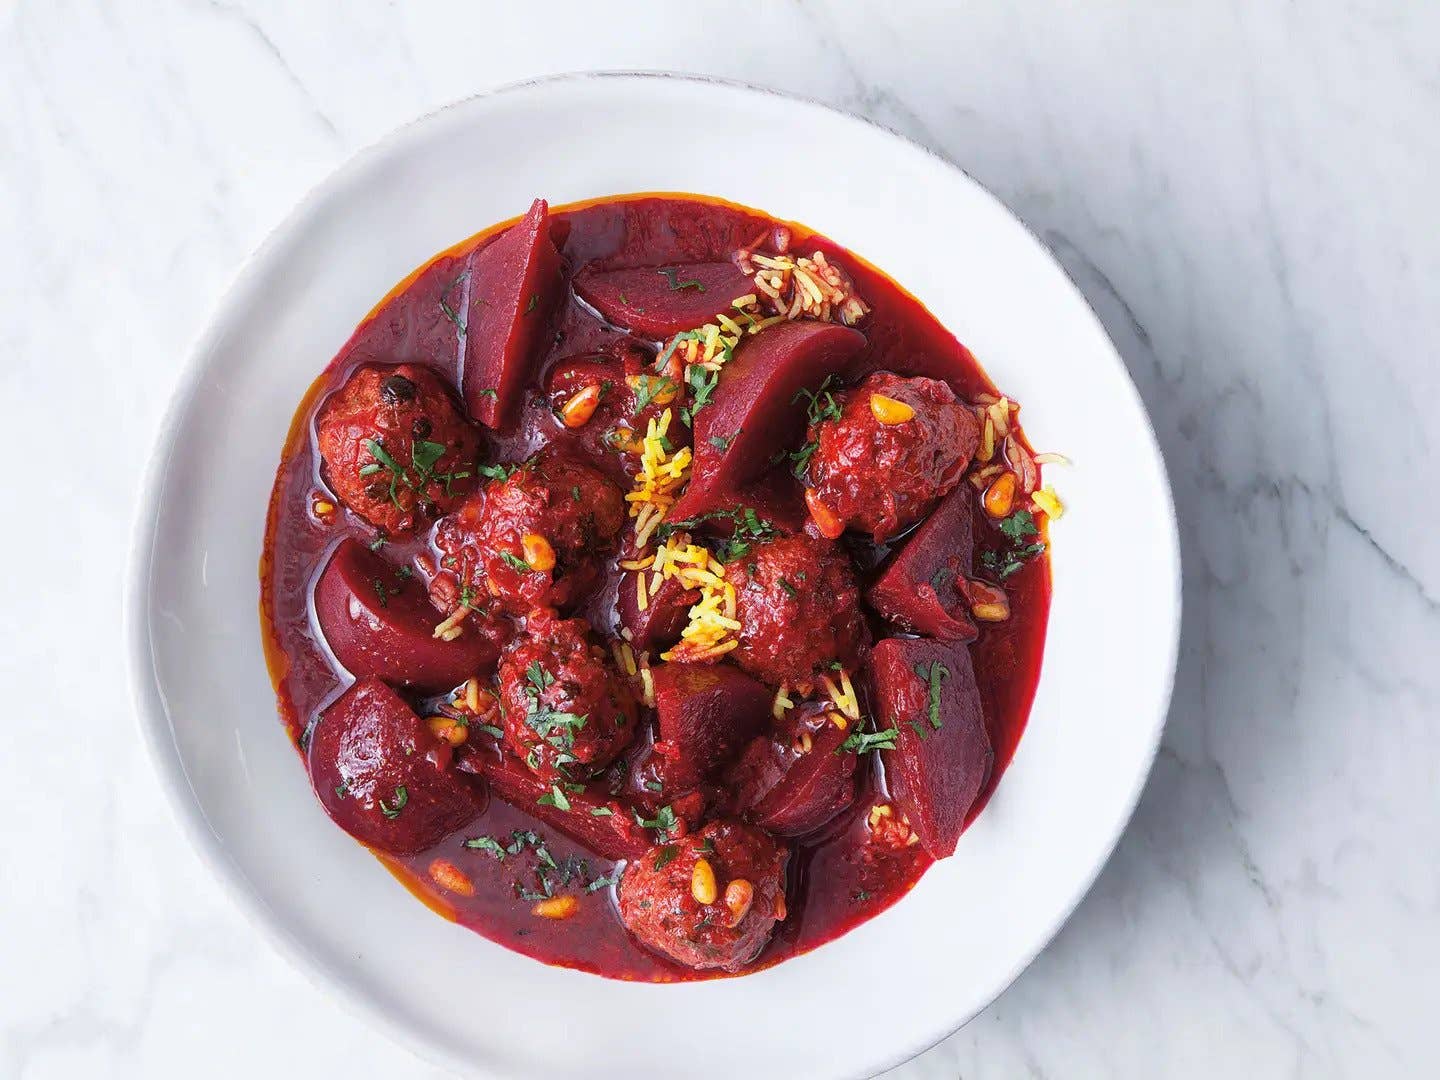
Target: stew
x,y
655,587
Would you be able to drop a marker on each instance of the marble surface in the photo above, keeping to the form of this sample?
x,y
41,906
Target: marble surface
x,y
1244,190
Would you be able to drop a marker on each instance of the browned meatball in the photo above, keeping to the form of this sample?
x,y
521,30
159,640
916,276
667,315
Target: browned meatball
x,y
529,539
566,711
896,446
742,884
395,448
799,611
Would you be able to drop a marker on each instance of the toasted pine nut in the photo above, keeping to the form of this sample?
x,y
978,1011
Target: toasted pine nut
x,y
991,612
556,907
803,743
451,878
1000,496
447,729
702,882
890,411
539,555
739,895
838,720
323,507
577,411
826,520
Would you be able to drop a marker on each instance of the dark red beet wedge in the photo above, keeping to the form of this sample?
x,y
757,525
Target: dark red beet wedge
x,y
942,756
593,818
514,283
379,621
706,712
755,415
918,589
657,301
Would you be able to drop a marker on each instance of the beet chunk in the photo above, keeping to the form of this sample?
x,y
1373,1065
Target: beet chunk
x,y
594,818
794,779
658,301
378,621
383,777
667,610
394,446
706,713
659,906
942,756
919,589
817,786
514,283
754,415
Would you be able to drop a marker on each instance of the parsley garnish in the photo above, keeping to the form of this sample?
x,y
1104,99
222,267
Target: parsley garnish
x,y
820,404
393,810
516,563
664,820
933,673
601,811
554,797
720,443
648,388
863,742
487,843
500,472
664,856
702,383
1018,528
747,527
672,275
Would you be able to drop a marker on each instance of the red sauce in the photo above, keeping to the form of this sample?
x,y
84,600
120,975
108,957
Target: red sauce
x,y
836,879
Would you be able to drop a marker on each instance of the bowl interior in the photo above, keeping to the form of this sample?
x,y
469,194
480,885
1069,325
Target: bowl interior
x,y
974,920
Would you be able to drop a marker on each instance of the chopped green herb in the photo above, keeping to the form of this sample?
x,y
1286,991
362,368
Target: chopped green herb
x,y
940,577
863,742
501,472
534,299
648,388
820,404
933,673
342,789
665,855
378,543
555,797
515,562
790,590
664,820
489,392
381,592
800,459
575,492
720,443
613,878
672,275
487,843
601,811
492,730
702,383
397,804
654,785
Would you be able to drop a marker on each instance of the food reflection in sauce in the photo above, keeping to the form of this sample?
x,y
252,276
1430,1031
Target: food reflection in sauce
x,y
656,587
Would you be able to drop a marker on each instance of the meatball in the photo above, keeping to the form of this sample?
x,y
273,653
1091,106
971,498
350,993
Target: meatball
x,y
738,870
564,708
895,448
799,611
529,539
395,447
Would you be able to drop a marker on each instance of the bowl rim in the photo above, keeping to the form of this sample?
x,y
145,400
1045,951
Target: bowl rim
x,y
147,696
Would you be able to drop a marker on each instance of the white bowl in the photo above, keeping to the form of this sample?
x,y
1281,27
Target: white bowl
x,y
881,993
